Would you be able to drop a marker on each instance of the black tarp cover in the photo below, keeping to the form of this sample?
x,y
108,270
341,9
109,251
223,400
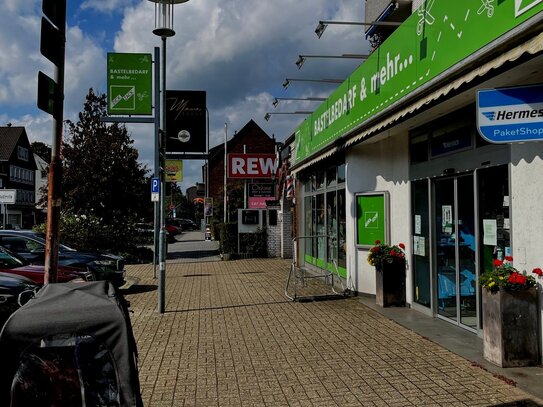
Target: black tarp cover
x,y
83,310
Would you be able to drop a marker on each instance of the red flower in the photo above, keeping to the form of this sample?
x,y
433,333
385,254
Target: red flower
x,y
497,263
538,271
402,246
377,242
516,278
509,258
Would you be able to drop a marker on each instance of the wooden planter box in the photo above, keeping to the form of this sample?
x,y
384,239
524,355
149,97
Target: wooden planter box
x,y
510,328
390,284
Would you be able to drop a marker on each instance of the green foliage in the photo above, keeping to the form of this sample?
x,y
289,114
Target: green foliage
x,y
92,234
229,237
102,177
255,244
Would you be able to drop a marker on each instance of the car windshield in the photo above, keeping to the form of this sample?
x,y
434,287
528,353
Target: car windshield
x,y
10,260
40,237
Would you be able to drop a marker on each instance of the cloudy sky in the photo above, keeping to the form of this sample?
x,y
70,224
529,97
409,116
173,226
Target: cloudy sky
x,y
238,51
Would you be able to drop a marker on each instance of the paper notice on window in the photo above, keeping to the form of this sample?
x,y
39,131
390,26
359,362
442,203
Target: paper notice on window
x,y
446,219
506,223
419,243
490,232
418,224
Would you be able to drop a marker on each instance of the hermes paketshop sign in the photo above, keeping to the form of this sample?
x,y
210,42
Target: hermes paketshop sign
x,y
129,84
437,36
251,165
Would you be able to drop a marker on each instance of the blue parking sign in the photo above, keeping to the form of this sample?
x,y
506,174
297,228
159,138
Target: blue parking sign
x,y
155,186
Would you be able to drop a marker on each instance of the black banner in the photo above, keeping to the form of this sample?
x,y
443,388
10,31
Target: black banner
x,y
185,121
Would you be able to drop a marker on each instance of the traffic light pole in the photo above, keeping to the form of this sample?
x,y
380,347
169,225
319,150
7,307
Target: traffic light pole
x,y
52,46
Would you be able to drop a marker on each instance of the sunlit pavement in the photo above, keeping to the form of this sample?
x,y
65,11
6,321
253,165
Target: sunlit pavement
x,y
229,337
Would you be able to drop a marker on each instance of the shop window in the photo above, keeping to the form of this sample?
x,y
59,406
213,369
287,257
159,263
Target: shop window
x,y
494,216
341,174
421,238
449,141
319,181
331,176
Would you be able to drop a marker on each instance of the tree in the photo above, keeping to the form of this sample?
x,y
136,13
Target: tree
x,y
102,176
42,150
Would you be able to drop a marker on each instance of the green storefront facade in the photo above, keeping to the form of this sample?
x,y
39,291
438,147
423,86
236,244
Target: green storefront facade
x,y
402,130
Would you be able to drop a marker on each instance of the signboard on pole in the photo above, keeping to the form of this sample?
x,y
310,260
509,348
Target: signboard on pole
x,y
185,121
129,84
8,196
510,114
174,171
155,190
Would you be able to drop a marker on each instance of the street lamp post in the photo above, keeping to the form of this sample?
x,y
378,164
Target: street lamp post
x,y
163,29
301,58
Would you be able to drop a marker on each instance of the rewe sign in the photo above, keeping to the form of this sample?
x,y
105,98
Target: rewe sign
x,y
251,165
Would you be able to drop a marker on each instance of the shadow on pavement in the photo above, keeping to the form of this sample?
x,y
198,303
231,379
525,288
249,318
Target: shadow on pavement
x,y
196,254
228,306
139,289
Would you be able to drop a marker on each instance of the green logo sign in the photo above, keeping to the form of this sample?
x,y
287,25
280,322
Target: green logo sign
x,y
438,35
129,78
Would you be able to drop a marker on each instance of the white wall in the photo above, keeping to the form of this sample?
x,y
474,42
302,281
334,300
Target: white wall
x,y
527,210
381,166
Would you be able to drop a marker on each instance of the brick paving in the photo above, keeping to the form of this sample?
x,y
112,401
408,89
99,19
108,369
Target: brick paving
x,y
229,337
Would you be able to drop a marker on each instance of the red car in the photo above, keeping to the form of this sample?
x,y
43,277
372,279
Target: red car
x,y
14,264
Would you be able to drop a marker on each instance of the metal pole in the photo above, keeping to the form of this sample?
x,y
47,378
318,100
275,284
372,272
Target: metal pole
x,y
225,168
162,234
156,218
207,170
244,183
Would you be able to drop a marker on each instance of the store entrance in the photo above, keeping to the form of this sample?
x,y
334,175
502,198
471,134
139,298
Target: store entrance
x,y
455,248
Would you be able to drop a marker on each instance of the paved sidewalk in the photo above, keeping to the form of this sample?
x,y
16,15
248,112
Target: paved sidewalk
x,y
229,337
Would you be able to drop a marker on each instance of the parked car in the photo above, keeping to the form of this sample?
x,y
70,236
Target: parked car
x,y
30,245
146,232
188,224
13,264
12,286
173,226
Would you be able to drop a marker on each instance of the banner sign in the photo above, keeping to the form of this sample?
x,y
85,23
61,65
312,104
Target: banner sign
x,y
440,34
261,190
173,171
208,206
251,165
185,121
510,114
371,218
129,84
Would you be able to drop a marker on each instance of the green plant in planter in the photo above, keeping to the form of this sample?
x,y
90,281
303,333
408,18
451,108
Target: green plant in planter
x,y
505,276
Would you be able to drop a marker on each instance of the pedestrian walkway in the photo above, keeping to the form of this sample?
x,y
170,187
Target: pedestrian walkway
x,y
229,337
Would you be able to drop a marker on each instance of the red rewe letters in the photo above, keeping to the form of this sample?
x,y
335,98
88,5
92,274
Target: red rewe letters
x,y
251,165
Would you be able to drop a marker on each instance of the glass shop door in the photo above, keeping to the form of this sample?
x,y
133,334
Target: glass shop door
x,y
455,249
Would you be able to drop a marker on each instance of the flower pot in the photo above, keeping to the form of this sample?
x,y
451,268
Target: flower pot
x,y
510,335
390,284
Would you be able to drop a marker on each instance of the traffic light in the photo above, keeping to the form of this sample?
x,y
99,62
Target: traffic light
x,y
52,46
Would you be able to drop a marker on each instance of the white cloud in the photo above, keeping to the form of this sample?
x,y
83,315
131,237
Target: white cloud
x,y
105,6
238,51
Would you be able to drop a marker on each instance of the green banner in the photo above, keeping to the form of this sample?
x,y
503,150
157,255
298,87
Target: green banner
x,y
129,84
371,218
434,38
